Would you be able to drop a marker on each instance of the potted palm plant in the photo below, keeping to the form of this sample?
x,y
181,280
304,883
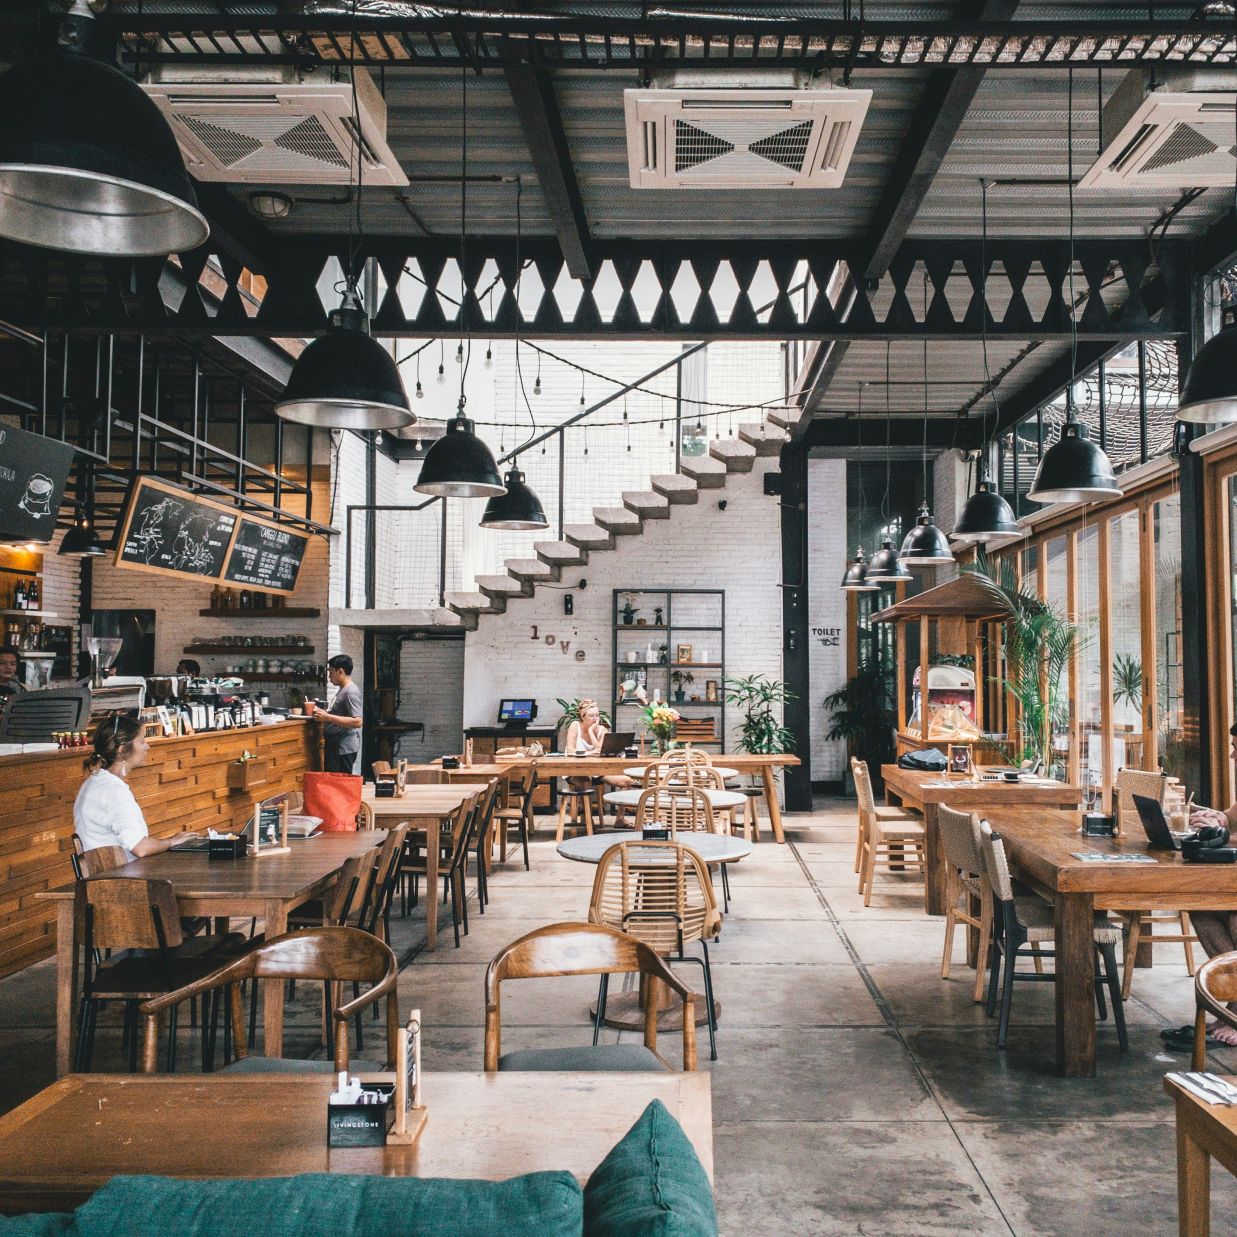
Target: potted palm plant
x,y
859,713
758,697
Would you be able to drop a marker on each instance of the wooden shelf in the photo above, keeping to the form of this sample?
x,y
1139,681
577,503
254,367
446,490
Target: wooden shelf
x,y
255,677
39,614
699,665
622,627
286,612
249,648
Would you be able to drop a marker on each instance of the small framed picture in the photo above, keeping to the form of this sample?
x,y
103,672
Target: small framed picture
x,y
682,652
959,759
165,721
710,690
270,826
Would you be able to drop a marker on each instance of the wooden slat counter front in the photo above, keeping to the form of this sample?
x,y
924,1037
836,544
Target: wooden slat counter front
x,y
182,786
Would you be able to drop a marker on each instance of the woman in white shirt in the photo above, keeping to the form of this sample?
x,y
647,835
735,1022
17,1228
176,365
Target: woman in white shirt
x,y
105,812
584,736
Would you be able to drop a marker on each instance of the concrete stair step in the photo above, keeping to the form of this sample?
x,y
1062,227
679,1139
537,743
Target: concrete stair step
x,y
767,439
466,604
589,536
676,487
736,455
533,570
648,504
500,586
783,418
705,471
617,520
560,553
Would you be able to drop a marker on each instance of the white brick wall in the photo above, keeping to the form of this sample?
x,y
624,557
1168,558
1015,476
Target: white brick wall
x,y
827,558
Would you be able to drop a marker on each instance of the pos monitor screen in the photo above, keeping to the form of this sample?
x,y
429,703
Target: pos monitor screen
x,y
516,712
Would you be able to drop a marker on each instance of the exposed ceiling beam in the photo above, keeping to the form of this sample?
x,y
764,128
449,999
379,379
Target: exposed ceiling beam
x,y
1217,250
532,92
234,232
905,433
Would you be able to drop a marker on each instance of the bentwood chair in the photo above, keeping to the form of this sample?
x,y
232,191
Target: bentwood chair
x,y
1140,925
660,893
453,862
1021,920
681,809
1214,986
517,813
332,955
966,888
888,837
562,949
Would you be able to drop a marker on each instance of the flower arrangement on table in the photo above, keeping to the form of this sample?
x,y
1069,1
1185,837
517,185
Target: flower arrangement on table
x,y
660,720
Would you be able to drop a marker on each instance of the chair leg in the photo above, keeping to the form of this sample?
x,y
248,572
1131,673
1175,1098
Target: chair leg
x,y
1007,999
132,1020
1198,1059
173,1021
526,825
869,872
1188,945
1114,988
859,845
1039,961
586,804
603,990
708,996
984,947
994,976
1101,1005
1132,940
562,818
952,893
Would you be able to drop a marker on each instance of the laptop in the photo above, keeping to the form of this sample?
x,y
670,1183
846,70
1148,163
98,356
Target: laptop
x,y
201,846
617,742
1151,813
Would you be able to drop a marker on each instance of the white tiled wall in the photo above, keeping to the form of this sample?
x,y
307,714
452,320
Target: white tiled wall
x,y
827,556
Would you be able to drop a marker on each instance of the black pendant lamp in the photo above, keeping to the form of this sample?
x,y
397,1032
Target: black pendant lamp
x,y
886,567
984,516
346,379
518,508
925,545
81,541
88,164
854,579
1209,396
1074,470
460,465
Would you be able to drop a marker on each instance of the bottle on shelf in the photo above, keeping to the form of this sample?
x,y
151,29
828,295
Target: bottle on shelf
x,y
246,599
19,595
32,595
214,598
228,600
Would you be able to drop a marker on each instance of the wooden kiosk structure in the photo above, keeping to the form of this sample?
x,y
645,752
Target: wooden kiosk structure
x,y
967,619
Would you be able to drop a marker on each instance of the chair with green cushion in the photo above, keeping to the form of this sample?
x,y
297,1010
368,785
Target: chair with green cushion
x,y
585,949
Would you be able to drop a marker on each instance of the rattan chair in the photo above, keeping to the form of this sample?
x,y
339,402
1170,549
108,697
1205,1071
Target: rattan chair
x,y
890,841
1214,986
681,809
966,888
660,893
1140,925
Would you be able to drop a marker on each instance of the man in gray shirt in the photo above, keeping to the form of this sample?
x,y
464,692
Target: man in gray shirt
x,y
341,727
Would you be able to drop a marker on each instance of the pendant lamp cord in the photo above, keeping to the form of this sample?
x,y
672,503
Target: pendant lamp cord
x,y
888,443
1073,312
983,330
352,276
863,500
465,324
519,276
925,395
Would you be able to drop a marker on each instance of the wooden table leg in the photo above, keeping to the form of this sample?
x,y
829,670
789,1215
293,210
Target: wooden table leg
x,y
1193,1182
775,813
68,947
935,892
275,919
1075,985
432,843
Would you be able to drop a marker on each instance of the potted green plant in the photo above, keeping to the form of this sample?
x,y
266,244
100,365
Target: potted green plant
x,y
680,679
571,713
859,713
628,612
758,697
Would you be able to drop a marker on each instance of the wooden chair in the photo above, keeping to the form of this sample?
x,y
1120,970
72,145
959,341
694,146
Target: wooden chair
x,y
1140,925
585,949
1019,920
883,811
660,893
139,922
966,886
688,755
483,840
453,862
88,863
517,811
884,839
1214,986
332,955
344,902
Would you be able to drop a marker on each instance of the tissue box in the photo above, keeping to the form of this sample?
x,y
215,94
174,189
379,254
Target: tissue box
x,y
228,848
361,1125
384,790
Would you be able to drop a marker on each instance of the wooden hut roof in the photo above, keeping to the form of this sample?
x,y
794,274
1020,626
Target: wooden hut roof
x,y
963,596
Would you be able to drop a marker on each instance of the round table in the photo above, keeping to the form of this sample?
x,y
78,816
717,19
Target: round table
x,y
638,771
711,847
719,800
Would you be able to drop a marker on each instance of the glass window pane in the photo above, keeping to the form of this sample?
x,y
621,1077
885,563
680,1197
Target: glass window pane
x,y
1056,584
1125,633
1030,570
1168,684
1090,757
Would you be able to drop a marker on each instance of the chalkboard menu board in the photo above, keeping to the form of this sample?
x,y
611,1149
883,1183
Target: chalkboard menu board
x,y
167,529
265,556
33,472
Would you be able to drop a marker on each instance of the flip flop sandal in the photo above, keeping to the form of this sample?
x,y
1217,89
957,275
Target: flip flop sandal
x,y
1181,1040
1174,1032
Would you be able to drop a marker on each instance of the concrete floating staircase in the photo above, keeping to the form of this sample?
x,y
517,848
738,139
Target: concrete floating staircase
x,y
666,491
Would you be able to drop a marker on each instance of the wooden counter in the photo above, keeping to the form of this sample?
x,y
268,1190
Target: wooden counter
x,y
182,786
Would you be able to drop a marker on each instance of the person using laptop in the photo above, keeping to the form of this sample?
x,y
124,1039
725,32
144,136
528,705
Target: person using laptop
x,y
586,735
105,812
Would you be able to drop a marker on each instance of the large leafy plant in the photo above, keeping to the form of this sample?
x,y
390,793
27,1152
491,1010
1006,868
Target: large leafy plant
x,y
758,697
859,713
571,713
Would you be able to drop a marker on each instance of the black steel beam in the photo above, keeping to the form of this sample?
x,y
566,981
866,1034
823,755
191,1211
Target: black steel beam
x,y
796,646
905,433
1217,250
536,108
234,232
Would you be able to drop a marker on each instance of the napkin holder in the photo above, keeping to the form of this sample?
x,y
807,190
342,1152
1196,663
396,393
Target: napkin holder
x,y
234,847
1098,825
362,1125
655,835
450,762
384,790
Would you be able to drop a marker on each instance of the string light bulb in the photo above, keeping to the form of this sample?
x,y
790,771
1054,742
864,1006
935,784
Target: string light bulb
x,y
459,354
489,357
420,391
442,374
537,385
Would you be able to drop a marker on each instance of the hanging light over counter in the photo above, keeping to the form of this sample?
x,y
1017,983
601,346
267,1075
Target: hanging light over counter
x,y
346,379
1209,396
459,464
81,541
886,567
925,545
1074,470
854,579
88,164
984,516
518,508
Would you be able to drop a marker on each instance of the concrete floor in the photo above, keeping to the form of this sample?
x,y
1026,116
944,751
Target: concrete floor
x,y
855,1091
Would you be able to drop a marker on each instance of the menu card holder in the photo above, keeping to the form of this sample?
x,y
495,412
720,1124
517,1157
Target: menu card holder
x,y
270,827
410,1113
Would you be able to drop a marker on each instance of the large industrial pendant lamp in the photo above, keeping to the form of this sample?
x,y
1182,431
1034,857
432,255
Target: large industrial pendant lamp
x,y
88,164
459,464
81,541
518,508
854,578
886,566
346,379
1073,469
925,545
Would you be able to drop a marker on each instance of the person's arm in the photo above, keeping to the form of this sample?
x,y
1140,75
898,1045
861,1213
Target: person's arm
x,y
155,846
349,721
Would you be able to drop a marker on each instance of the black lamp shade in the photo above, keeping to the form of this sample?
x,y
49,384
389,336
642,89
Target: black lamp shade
x,y
518,508
81,541
984,516
459,465
886,566
1210,393
1074,470
854,578
925,545
88,164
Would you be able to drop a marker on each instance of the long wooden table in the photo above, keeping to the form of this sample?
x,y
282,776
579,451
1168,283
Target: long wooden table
x,y
70,1139
927,791
267,887
1041,847
1203,1131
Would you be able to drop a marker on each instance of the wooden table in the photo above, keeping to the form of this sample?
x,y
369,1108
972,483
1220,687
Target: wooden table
x,y
1203,1131
268,887
70,1139
1041,847
927,791
425,807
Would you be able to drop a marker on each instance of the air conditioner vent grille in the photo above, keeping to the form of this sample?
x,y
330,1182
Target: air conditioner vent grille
x,y
694,146
227,145
1183,145
310,139
788,148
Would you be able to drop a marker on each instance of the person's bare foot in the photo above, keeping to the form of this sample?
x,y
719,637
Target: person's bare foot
x,y
1222,1033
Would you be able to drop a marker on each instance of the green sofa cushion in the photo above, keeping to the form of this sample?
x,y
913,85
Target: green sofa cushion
x,y
651,1183
330,1205
37,1224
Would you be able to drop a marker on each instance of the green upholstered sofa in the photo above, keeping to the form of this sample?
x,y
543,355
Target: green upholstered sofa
x,y
651,1183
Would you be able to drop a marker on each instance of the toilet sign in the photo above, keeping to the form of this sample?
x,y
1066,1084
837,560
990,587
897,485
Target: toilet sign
x,y
33,473
828,637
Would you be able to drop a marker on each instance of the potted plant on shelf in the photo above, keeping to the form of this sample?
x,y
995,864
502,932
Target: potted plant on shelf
x,y
758,696
859,714
628,612
660,719
663,654
680,679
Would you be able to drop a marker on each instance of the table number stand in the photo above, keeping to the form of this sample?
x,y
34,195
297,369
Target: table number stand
x,y
280,847
410,1113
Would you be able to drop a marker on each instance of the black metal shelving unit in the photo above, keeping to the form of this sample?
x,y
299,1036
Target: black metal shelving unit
x,y
671,633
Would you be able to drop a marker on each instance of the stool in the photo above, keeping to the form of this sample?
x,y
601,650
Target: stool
x,y
752,796
581,801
